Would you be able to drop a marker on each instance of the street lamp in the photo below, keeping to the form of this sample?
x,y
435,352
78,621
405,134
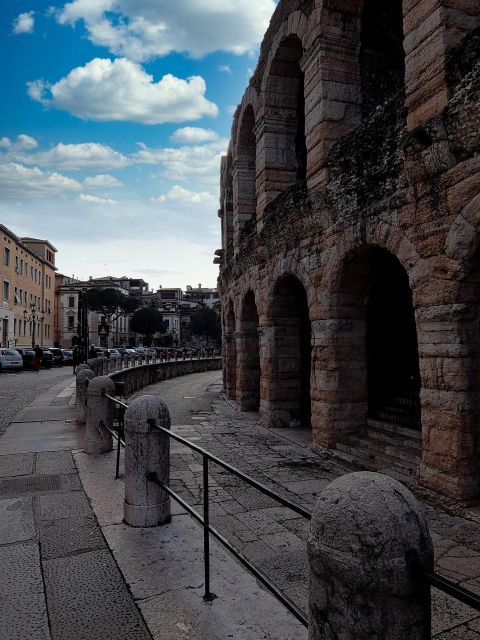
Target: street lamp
x,y
35,315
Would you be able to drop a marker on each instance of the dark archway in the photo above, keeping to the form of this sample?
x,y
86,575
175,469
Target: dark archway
x,y
248,356
288,389
381,357
382,57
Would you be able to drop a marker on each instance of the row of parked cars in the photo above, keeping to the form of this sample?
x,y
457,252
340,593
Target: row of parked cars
x,y
22,358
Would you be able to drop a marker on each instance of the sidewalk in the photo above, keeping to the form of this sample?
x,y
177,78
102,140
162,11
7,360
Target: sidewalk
x,y
59,509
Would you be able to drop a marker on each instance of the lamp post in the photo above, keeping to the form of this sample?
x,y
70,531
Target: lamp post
x,y
35,315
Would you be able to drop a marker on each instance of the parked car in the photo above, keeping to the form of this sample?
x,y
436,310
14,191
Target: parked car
x,y
67,356
151,350
114,353
122,351
28,356
10,359
57,356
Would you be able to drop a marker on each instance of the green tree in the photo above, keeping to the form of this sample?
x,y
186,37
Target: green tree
x,y
206,322
110,302
147,322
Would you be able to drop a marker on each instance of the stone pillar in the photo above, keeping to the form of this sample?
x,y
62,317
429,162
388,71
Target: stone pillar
x,y
83,378
146,451
99,414
248,369
104,365
367,535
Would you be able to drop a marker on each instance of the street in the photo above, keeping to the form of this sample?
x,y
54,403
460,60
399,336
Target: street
x,y
18,389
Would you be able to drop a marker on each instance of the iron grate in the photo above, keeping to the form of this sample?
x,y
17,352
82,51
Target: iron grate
x,y
29,484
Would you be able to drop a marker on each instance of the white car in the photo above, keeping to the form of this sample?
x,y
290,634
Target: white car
x,y
10,359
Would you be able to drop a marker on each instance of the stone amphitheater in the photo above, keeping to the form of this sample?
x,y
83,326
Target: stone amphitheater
x,y
350,213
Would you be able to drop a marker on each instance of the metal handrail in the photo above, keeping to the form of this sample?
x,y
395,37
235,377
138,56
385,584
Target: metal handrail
x,y
454,590
435,580
208,529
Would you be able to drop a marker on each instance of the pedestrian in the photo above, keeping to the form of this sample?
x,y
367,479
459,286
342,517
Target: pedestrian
x,y
91,352
37,358
76,357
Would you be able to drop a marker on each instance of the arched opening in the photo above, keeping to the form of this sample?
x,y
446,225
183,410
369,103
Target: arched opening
x,y
230,353
285,103
245,195
248,356
377,362
382,57
288,390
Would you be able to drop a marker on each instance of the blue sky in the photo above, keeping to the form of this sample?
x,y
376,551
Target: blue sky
x,y
113,121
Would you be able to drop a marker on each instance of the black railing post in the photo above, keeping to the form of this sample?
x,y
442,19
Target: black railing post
x,y
206,533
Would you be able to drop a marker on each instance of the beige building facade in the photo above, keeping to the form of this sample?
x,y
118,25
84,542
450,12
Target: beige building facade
x,y
27,279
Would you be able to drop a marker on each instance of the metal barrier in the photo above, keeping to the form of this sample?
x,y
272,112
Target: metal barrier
x,y
434,579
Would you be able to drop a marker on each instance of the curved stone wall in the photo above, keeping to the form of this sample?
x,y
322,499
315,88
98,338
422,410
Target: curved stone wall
x,y
397,185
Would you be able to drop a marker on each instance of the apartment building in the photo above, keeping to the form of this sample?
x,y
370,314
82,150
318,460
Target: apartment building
x,y
27,280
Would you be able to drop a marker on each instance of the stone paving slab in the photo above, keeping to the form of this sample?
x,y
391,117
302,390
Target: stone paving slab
x,y
45,414
87,599
23,614
29,437
61,538
54,462
16,520
17,465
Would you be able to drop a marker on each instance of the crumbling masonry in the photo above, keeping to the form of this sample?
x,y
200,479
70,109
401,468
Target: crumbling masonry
x,y
350,209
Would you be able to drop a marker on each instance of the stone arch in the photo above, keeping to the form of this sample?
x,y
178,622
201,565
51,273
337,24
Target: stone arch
x,y
286,355
244,169
367,366
282,141
226,204
372,31
248,355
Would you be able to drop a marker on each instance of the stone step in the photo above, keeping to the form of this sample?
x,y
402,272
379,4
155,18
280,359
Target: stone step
x,y
405,462
393,439
394,428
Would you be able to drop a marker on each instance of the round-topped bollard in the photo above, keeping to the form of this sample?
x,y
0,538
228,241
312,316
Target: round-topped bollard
x,y
99,416
83,378
368,533
147,450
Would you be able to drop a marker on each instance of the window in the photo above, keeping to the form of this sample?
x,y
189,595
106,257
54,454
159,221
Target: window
x,y
32,277
6,290
71,322
71,301
6,257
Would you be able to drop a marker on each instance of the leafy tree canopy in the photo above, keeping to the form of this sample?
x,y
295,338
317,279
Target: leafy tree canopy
x,y
110,302
147,322
205,322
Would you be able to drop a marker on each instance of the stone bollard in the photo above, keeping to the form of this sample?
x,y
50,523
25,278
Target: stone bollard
x,y
367,535
99,414
146,451
82,381
81,367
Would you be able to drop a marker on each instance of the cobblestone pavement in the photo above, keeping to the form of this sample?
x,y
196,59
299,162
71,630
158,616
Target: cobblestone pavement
x,y
18,390
273,537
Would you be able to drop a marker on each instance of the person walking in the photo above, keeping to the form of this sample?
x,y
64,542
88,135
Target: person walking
x,y
76,358
91,352
37,358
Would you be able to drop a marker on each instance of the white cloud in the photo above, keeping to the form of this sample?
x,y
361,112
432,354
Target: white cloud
x,y
85,197
23,143
225,68
178,194
18,181
107,90
193,135
145,29
24,23
199,162
102,182
73,157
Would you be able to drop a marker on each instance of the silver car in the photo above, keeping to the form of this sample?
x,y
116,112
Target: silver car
x,y
10,359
